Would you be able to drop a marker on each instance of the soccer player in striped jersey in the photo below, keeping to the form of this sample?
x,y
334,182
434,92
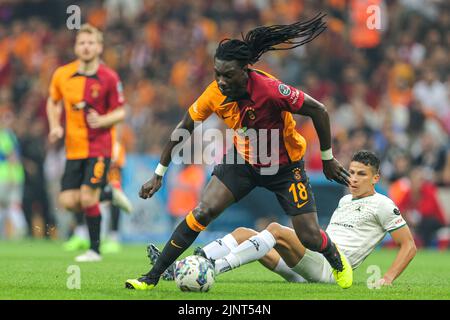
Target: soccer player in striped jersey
x,y
247,98
93,103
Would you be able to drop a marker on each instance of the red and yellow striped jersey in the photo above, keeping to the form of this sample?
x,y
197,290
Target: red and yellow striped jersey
x,y
80,93
269,106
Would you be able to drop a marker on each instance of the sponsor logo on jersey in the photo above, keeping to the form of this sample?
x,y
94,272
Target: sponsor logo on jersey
x,y
284,89
345,225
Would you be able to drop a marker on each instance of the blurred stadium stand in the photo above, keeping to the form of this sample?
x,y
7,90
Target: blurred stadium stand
x,y
386,90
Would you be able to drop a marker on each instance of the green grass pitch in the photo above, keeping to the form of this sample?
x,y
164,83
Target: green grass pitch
x,y
38,270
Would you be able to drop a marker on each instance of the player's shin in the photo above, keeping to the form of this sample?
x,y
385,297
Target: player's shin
x,y
220,248
93,221
181,239
330,252
250,250
283,270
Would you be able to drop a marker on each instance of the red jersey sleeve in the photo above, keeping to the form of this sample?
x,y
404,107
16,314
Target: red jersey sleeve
x,y
286,97
115,96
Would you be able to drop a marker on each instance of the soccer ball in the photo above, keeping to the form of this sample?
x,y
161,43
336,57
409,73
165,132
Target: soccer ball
x,y
194,273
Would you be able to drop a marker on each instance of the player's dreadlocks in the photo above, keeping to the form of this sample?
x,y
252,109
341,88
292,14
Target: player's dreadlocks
x,y
262,39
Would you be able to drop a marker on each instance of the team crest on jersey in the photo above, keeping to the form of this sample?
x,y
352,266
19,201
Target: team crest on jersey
x,y
297,174
396,211
251,114
284,89
95,90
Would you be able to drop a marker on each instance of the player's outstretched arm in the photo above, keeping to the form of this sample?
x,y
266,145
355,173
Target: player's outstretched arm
x,y
332,169
154,184
404,239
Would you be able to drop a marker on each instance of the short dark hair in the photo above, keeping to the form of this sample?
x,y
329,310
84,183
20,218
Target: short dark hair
x,y
367,158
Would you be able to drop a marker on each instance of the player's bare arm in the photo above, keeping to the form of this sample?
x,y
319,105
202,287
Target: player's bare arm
x,y
332,169
404,239
154,184
54,110
95,120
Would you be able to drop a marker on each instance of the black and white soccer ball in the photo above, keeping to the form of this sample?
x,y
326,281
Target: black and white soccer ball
x,y
195,274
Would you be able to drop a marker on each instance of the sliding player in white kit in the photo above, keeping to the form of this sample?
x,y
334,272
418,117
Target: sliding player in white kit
x,y
359,223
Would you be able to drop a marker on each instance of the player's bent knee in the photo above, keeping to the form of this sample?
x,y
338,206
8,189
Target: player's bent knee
x,y
241,234
275,229
87,200
203,214
69,202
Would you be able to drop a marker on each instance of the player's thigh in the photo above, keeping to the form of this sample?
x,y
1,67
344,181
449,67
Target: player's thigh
x,y
94,179
229,183
292,189
70,200
89,196
238,179
287,244
215,198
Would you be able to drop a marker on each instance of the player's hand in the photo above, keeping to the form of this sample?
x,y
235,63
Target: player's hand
x,y
383,282
55,134
149,188
94,120
333,170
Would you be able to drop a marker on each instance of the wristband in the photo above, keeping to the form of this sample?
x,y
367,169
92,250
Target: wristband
x,y
327,154
161,170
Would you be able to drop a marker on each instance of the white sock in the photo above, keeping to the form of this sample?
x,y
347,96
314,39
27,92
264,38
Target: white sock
x,y
283,270
221,247
81,231
114,236
251,250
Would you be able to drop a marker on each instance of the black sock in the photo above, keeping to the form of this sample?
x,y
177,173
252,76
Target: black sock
x,y
93,224
79,218
106,194
181,239
115,215
330,252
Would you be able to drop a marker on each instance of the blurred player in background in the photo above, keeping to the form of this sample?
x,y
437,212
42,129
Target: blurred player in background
x,y
118,200
114,199
11,178
357,226
93,104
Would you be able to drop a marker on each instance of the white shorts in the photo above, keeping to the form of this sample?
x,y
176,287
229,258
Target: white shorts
x,y
314,268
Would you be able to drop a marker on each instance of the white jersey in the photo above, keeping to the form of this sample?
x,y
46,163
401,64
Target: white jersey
x,y
358,225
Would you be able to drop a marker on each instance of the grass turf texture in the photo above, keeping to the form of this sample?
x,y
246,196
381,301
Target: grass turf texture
x,y
38,270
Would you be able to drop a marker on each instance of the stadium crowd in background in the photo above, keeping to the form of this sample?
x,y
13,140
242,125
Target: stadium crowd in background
x,y
386,90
